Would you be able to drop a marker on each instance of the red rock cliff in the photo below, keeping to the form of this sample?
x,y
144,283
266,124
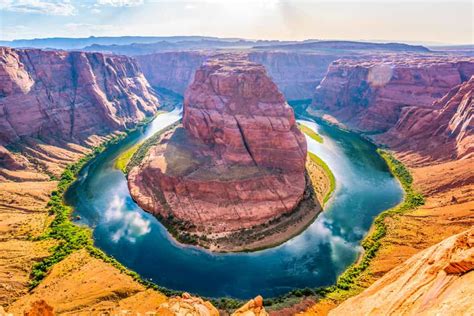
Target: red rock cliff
x,y
69,95
369,94
239,161
445,131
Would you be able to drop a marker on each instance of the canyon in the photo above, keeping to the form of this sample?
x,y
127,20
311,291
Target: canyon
x,y
237,162
419,105
369,94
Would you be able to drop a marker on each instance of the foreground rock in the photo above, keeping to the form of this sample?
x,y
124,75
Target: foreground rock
x,y
69,95
237,162
370,94
253,307
436,281
187,305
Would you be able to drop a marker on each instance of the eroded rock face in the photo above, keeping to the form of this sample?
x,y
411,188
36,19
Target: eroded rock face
x,y
239,159
370,95
445,131
436,281
172,70
69,95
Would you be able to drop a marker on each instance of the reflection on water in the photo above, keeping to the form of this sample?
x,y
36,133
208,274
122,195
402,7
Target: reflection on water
x,y
314,258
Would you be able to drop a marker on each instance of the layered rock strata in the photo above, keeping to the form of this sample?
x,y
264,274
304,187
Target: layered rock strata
x,y
69,95
237,161
370,94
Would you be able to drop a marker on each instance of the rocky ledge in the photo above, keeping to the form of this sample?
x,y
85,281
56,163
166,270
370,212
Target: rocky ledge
x,y
237,162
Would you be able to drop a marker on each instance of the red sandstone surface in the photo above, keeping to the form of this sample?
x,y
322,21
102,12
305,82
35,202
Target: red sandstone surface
x,y
370,95
239,161
69,95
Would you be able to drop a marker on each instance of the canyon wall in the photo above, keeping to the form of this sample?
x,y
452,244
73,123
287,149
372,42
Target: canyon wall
x,y
172,70
69,95
239,159
296,74
370,94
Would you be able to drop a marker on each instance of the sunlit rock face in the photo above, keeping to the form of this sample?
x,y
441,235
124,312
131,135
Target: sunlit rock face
x,y
239,159
436,281
69,95
370,94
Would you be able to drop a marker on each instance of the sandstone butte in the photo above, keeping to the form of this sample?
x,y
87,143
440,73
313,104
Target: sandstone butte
x,y
237,161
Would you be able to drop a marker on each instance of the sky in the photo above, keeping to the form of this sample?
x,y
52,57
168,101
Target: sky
x,y
422,21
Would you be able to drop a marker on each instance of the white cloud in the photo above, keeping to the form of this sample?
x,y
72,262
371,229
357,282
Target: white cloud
x,y
131,225
50,7
120,3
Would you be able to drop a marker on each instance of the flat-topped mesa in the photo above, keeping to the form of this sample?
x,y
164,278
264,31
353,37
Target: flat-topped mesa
x,y
239,160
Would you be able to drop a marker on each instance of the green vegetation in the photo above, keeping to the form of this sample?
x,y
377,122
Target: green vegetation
x,y
332,179
122,160
346,284
311,133
69,237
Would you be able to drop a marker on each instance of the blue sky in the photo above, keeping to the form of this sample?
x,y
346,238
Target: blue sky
x,y
410,21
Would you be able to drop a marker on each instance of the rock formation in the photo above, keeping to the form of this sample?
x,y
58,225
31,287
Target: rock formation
x,y
369,94
187,305
447,132
436,281
254,307
69,95
237,162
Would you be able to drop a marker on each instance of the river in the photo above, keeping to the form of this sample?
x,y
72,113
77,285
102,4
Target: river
x,y
364,188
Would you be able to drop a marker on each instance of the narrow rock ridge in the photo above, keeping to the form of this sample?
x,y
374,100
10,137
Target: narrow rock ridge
x,y
238,160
